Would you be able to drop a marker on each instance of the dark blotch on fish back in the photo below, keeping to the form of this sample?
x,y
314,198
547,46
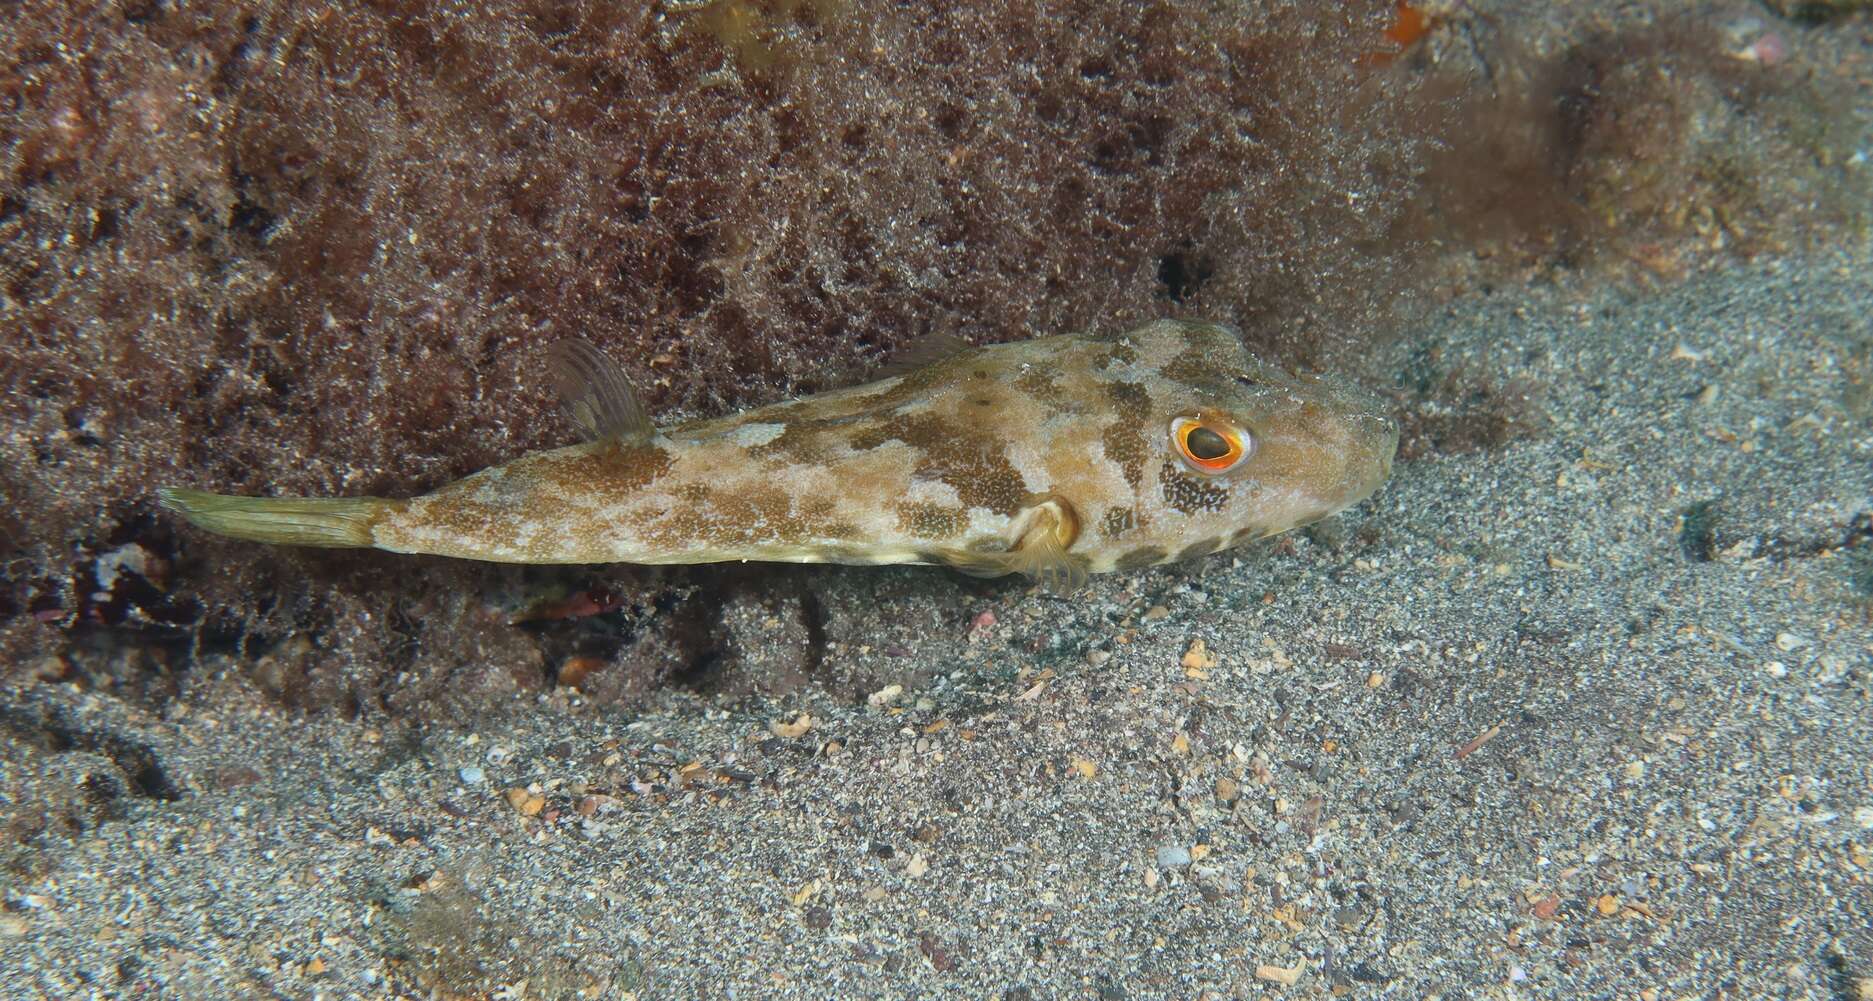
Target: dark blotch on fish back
x,y
803,440
972,462
1208,351
618,468
1117,353
1039,382
1124,439
757,515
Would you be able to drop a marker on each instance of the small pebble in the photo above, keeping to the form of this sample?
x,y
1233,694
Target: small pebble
x,y
526,803
472,776
1775,669
1285,976
1173,856
797,728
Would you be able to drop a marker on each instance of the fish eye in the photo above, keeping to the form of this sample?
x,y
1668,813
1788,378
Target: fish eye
x,y
1210,445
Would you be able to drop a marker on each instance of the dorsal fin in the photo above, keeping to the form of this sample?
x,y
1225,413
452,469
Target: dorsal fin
x,y
594,392
927,349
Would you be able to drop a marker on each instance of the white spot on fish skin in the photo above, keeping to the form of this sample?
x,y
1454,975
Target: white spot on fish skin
x,y
1031,464
755,435
932,492
984,523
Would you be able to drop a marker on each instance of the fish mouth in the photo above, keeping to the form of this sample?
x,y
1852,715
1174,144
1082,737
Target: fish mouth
x,y
1374,437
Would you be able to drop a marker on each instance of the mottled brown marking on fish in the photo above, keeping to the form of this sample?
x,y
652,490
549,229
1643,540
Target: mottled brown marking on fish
x,y
1039,381
611,467
1199,362
801,442
971,460
461,513
1201,547
1187,494
931,521
1118,521
1143,556
1116,353
1124,438
721,519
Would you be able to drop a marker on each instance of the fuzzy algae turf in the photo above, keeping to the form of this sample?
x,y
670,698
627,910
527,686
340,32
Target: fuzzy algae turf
x,y
317,250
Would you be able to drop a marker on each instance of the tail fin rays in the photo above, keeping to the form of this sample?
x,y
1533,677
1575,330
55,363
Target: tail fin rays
x,y
332,522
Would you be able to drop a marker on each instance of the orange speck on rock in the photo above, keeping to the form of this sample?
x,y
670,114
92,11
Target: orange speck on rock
x,y
575,670
1408,25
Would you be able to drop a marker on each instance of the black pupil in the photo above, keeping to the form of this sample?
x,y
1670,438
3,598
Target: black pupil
x,y
1206,444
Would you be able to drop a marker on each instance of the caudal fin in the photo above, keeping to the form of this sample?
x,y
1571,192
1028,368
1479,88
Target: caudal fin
x,y
282,521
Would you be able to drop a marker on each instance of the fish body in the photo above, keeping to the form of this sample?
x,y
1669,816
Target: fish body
x,y
1055,457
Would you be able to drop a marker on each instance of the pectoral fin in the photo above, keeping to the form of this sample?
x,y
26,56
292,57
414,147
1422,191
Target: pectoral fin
x,y
1049,530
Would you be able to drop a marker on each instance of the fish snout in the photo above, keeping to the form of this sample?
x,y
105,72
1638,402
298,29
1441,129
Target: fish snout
x,y
1374,436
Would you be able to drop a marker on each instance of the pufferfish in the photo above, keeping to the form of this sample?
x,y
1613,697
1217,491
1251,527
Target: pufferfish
x,y
1054,457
